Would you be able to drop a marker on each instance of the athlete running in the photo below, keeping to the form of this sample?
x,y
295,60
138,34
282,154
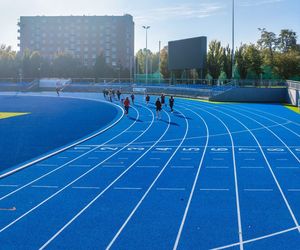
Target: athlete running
x,y
126,105
147,99
158,108
171,103
132,98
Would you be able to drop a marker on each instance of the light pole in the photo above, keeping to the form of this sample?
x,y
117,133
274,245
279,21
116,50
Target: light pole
x,y
232,56
159,45
146,28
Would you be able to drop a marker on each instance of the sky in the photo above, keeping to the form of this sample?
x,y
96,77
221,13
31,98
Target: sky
x,y
168,19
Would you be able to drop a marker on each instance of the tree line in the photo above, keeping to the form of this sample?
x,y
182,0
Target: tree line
x,y
271,57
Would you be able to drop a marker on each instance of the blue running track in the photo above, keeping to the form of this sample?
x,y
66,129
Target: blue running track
x,y
208,176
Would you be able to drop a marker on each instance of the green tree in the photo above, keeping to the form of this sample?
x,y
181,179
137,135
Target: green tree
x,y
164,63
269,42
215,58
287,40
287,65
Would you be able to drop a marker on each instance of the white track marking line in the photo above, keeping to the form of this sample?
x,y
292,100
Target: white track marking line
x,y
67,163
294,190
214,189
46,165
179,233
78,178
170,189
287,167
240,231
252,167
257,239
41,186
148,190
111,184
8,185
86,187
113,166
266,118
63,157
269,166
123,158
74,151
218,159
217,167
185,159
148,166
79,165
258,189
127,188
93,158
252,119
183,167
155,158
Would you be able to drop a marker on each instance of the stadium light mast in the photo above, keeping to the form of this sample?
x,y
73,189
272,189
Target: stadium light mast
x,y
146,28
232,54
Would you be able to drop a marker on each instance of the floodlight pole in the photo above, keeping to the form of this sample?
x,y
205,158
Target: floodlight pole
x,y
159,48
232,56
146,28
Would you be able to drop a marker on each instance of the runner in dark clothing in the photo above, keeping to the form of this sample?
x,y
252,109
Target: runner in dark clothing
x,y
171,103
147,99
132,98
158,108
118,94
162,98
126,105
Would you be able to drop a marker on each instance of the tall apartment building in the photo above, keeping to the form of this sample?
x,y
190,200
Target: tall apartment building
x,y
85,37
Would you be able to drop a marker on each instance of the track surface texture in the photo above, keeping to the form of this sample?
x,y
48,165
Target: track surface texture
x,y
207,176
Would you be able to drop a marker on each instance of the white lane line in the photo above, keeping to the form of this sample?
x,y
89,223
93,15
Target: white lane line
x,y
134,131
150,187
252,167
86,187
63,157
258,190
8,185
111,184
93,158
238,211
243,152
282,159
182,166
170,189
294,190
194,183
147,166
216,167
45,165
75,151
249,159
256,239
218,159
41,186
214,189
154,158
113,166
288,148
70,183
127,188
123,158
288,167
247,110
79,165
269,166
185,159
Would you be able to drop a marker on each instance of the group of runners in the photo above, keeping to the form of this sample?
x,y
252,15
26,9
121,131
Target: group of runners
x,y
110,94
159,103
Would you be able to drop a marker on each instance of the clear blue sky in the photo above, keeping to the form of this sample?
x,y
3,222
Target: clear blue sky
x,y
169,19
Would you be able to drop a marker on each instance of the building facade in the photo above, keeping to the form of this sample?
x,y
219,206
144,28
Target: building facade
x,y
84,37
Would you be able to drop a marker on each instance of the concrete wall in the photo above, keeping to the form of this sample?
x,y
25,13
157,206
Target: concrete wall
x,y
275,95
293,92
